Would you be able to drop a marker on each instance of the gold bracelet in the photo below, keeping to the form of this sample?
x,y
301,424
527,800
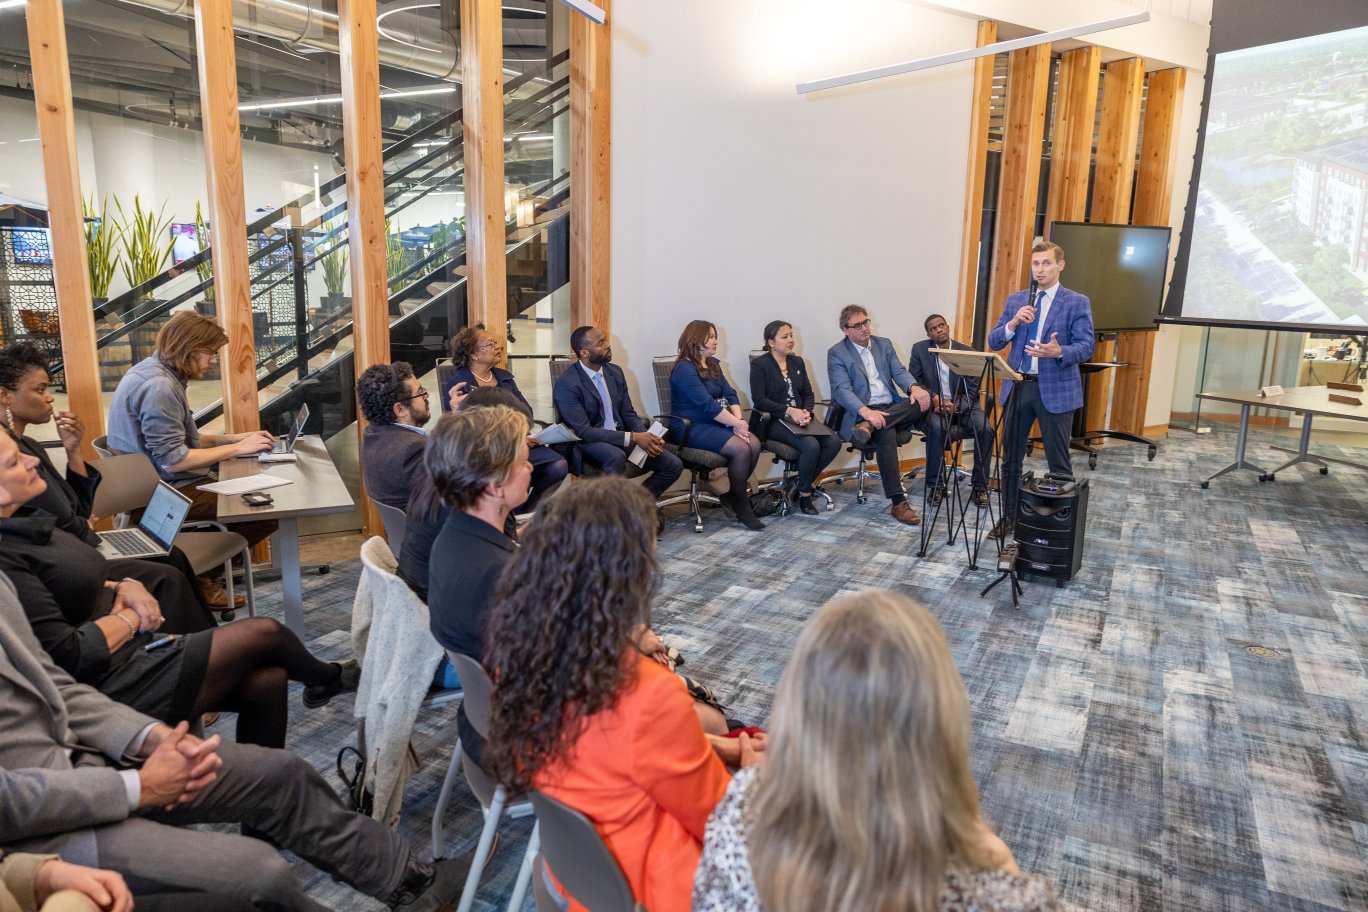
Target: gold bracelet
x,y
132,628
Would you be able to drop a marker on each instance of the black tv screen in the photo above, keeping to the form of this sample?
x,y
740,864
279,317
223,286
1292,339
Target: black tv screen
x,y
1121,268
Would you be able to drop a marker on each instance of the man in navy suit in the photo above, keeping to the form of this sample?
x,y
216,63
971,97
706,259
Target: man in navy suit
x,y
954,401
592,400
1049,332
867,379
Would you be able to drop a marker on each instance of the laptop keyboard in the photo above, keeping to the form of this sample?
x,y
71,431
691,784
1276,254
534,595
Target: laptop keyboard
x,y
125,541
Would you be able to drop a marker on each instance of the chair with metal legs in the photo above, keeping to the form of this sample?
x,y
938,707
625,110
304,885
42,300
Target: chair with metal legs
x,y
575,853
494,798
127,482
862,472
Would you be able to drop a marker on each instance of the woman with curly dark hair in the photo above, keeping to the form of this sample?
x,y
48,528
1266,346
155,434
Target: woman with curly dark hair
x,y
475,354
699,391
579,712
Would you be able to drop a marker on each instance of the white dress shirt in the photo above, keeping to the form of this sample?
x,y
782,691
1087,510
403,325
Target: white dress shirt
x,y
878,391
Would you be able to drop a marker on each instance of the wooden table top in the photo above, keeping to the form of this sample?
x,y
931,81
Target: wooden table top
x,y
316,487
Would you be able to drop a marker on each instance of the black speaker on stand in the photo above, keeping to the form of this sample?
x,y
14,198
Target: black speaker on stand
x,y
1051,517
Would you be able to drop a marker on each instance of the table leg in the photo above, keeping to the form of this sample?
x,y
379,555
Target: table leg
x,y
1303,454
291,584
1240,444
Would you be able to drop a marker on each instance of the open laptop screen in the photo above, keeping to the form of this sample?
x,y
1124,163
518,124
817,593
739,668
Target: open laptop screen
x,y
298,428
164,515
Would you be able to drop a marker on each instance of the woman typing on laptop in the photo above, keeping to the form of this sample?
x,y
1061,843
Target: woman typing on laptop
x,y
111,632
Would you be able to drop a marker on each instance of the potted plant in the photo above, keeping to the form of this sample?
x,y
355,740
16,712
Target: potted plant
x,y
334,266
146,245
394,253
102,249
204,270
146,248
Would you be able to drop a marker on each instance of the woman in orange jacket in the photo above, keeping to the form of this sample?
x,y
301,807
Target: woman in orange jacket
x,y
579,713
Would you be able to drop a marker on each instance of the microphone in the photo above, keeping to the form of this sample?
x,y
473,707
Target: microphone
x,y
1035,290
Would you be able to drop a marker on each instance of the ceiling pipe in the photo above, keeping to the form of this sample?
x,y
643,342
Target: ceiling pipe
x,y
303,25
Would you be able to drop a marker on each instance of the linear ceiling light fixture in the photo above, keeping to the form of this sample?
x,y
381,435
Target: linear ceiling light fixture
x,y
6,4
587,9
337,99
926,63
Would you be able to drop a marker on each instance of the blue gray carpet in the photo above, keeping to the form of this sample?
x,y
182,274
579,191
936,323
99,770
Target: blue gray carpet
x,y
1127,742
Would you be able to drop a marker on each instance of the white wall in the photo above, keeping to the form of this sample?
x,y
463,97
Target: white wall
x,y
737,201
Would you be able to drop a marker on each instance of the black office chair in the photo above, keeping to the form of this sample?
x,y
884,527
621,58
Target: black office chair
x,y
445,370
698,463
862,472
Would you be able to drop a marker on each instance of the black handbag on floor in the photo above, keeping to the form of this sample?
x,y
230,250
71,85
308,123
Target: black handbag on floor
x,y
359,797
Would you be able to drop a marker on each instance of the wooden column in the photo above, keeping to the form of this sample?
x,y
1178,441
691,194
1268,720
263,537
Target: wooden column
x,y
365,169
57,133
971,231
1028,77
227,211
1111,197
1153,205
483,121
1071,148
591,172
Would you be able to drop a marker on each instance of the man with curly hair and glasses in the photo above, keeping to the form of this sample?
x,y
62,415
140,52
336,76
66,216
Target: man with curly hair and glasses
x,y
396,408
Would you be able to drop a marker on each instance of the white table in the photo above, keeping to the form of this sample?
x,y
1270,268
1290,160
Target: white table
x,y
1310,401
315,488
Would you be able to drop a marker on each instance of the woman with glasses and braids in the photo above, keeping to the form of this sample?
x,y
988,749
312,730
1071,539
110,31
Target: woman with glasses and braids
x,y
866,800
579,712
475,354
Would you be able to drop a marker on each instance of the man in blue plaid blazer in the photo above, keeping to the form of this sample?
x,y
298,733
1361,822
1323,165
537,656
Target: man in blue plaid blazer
x,y
1048,331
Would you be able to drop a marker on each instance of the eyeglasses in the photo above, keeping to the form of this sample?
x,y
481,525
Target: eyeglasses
x,y
488,343
421,394
863,324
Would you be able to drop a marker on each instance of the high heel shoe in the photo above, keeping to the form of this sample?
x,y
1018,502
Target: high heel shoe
x,y
744,514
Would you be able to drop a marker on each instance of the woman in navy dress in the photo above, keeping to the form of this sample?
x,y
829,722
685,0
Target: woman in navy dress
x,y
700,393
474,352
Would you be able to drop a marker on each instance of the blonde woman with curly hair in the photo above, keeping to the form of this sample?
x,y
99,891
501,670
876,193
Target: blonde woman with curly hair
x,y
866,802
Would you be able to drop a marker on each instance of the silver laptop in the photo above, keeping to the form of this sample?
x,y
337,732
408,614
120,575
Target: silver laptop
x,y
160,522
284,445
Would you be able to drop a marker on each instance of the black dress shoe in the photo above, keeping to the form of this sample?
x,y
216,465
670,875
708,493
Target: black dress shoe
x,y
805,504
348,679
430,887
1002,530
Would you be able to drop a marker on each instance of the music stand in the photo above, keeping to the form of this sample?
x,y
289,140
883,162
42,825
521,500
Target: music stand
x,y
989,367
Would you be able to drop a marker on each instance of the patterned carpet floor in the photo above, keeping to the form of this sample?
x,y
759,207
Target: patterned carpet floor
x,y
1128,743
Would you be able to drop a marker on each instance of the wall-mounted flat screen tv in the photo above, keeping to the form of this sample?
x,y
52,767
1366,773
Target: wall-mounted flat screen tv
x,y
1121,268
32,246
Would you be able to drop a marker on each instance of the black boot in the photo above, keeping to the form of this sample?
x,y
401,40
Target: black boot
x,y
806,505
744,514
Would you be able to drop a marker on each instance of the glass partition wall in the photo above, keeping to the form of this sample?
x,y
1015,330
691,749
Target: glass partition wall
x,y
1220,359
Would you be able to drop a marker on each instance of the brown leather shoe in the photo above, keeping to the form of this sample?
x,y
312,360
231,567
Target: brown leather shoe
x,y
861,434
904,513
217,596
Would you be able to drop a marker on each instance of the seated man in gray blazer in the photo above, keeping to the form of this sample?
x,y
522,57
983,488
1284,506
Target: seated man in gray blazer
x,y
396,408
99,784
867,379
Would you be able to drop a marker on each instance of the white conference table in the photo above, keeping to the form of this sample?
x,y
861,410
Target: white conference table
x,y
315,488
1310,401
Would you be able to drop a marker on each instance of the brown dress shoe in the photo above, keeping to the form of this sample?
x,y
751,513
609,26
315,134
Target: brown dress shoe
x,y
217,596
862,432
904,513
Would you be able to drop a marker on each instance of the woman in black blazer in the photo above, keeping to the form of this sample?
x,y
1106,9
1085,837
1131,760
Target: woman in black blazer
x,y
780,387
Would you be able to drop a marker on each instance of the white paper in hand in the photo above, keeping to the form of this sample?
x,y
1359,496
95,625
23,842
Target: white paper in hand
x,y
556,433
638,456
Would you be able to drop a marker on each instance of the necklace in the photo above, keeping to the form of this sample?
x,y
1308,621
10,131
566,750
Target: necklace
x,y
487,378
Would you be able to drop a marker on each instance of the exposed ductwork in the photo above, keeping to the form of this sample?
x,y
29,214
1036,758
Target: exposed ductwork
x,y
420,46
